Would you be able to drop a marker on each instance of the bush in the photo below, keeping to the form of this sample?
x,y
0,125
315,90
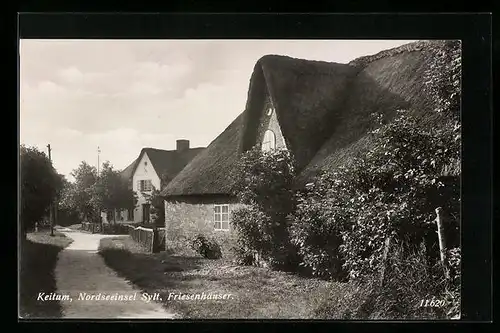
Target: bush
x,y
393,190
207,248
264,184
316,229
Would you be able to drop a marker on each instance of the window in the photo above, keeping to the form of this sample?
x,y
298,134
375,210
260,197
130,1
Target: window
x,y
221,217
130,215
145,185
269,141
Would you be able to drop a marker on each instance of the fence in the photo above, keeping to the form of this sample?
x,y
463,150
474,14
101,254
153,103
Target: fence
x,y
115,229
91,227
153,240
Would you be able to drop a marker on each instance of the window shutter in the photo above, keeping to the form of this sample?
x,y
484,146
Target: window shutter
x,y
138,185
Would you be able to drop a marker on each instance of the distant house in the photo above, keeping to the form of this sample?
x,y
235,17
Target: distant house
x,y
320,111
153,168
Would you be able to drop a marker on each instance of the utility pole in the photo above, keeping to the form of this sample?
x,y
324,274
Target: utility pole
x,y
98,162
98,152
51,208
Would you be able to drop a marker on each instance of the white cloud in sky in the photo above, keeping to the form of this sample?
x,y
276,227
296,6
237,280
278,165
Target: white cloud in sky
x,y
123,95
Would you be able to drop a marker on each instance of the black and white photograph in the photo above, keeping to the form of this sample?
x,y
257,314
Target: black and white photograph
x,y
240,179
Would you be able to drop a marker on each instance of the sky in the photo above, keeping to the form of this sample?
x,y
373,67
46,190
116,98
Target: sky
x,y
123,95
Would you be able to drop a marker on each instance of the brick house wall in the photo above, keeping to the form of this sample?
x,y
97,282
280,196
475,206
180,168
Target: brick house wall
x,y
187,217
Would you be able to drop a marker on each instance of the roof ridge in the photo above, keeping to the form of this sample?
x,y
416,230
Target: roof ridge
x,y
415,46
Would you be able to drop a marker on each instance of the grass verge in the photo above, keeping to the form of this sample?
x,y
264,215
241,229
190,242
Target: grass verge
x,y
38,260
255,292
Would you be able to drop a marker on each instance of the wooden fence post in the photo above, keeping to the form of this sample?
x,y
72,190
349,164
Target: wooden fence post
x,y
152,241
442,240
387,244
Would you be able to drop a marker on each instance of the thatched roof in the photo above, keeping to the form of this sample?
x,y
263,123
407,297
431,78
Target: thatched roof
x,y
390,80
323,110
127,173
167,163
210,171
306,95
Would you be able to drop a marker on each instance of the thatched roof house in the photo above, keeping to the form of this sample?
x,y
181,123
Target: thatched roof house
x,y
321,113
323,110
307,97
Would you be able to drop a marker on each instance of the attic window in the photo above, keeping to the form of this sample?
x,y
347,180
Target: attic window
x,y
145,162
269,141
270,111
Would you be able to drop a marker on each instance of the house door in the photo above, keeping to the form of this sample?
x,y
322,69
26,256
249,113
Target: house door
x,y
145,213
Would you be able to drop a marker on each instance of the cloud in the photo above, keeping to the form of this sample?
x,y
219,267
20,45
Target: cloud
x,y
157,71
144,88
125,95
49,87
72,74
68,133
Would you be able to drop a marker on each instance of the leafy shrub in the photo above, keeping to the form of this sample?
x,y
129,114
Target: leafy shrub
x,y
264,184
316,231
250,223
400,185
347,214
207,248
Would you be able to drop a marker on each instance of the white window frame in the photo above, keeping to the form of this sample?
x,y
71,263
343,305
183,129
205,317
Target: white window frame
x,y
269,141
145,185
221,217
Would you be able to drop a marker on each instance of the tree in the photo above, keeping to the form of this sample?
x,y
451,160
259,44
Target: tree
x,y
66,215
111,191
157,207
91,193
80,196
40,185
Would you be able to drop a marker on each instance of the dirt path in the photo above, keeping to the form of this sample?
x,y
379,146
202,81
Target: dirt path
x,y
81,273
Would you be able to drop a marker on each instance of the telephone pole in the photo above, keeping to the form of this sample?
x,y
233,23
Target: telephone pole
x,y
99,209
98,152
51,208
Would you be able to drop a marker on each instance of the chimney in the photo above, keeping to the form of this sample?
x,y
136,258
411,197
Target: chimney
x,y
182,145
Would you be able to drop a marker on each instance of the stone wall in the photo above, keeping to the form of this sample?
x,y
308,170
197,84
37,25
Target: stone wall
x,y
188,217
